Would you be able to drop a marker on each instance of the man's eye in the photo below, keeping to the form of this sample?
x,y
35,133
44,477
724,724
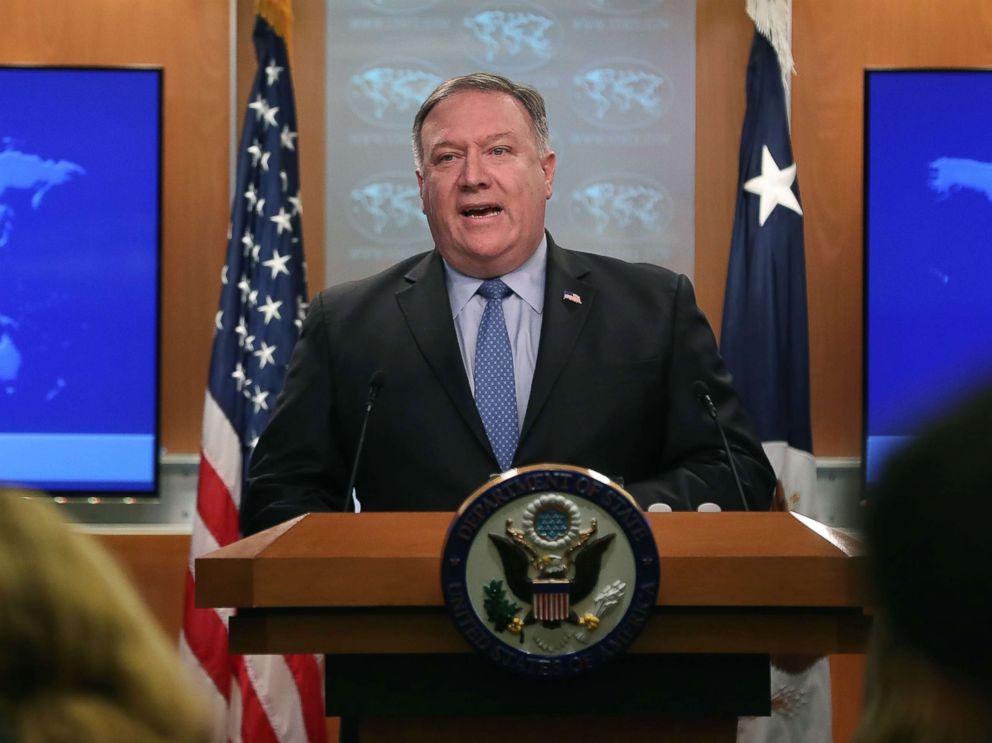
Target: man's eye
x,y
446,157
499,150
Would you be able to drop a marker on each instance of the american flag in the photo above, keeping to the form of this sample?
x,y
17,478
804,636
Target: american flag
x,y
262,303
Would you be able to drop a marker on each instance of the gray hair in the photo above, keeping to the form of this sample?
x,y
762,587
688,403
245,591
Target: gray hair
x,y
530,99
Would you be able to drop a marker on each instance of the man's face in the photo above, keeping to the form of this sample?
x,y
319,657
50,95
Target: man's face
x,y
483,184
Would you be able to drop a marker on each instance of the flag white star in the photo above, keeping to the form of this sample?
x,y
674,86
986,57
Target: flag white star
x,y
284,179
255,150
258,399
270,309
247,239
218,318
270,117
241,330
252,195
253,297
297,203
245,288
265,161
301,312
239,376
260,106
277,263
282,221
773,186
272,73
264,355
260,205
288,138
249,343
223,275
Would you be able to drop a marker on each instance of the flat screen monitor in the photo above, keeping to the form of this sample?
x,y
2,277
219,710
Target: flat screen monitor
x,y
928,249
80,225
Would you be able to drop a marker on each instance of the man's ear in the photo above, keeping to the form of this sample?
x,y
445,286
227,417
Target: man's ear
x,y
548,164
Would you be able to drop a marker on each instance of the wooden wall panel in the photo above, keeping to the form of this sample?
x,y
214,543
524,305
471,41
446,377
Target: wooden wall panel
x,y
833,43
156,565
189,39
723,41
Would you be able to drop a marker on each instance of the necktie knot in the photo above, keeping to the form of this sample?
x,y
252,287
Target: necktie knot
x,y
494,289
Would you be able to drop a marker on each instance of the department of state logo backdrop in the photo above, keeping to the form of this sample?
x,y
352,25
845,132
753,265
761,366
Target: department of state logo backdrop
x,y
388,92
621,94
623,207
624,7
550,570
386,209
399,7
511,37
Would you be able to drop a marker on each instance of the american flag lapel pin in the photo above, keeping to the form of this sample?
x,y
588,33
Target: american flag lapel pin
x,y
571,297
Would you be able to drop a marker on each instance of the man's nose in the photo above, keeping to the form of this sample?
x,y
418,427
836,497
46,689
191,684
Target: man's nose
x,y
474,173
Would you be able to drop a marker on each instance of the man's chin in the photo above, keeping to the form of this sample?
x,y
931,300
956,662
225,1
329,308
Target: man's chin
x,y
484,259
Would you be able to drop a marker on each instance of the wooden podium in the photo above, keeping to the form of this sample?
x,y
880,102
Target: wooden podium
x,y
364,589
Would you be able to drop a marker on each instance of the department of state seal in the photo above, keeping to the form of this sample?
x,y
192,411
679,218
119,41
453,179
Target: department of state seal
x,y
550,570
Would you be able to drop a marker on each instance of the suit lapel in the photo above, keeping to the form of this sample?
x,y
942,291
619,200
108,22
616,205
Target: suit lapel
x,y
425,306
560,327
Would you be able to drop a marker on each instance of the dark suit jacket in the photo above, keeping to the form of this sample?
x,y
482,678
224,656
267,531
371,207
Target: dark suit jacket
x,y
612,391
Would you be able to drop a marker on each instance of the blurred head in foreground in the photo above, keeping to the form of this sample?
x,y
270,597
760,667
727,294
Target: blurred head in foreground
x,y
930,665
81,658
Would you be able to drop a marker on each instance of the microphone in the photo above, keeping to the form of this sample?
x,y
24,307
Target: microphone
x,y
376,381
702,393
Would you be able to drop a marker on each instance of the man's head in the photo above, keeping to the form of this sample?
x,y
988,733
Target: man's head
x,y
932,555
485,171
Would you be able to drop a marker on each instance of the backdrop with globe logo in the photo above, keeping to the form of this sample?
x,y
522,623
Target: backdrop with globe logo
x,y
619,80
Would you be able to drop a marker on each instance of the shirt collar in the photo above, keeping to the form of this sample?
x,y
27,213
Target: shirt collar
x,y
526,281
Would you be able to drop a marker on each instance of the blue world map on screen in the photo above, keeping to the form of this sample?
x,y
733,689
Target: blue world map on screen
x,y
79,276
22,171
929,258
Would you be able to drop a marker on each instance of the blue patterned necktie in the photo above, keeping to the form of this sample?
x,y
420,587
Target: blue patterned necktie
x,y
495,393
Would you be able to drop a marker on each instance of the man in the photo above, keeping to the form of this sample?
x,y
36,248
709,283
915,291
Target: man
x,y
930,660
606,356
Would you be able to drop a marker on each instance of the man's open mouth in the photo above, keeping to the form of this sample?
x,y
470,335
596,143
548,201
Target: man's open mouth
x,y
487,210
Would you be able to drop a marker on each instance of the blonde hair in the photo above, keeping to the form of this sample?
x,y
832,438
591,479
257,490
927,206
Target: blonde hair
x,y
81,658
909,699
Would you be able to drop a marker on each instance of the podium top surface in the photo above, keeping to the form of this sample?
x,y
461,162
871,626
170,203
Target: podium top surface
x,y
393,560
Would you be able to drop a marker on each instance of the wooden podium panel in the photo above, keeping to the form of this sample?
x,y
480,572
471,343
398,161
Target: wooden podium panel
x,y
730,583
365,590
